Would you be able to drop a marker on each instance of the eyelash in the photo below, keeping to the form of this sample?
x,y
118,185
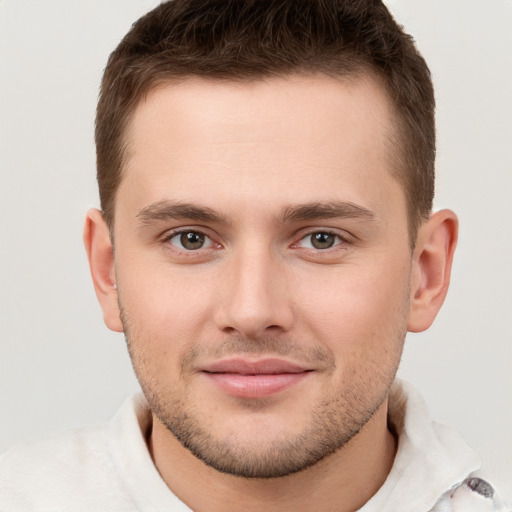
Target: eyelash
x,y
340,240
180,232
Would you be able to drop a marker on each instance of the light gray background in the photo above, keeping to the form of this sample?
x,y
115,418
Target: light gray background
x,y
60,367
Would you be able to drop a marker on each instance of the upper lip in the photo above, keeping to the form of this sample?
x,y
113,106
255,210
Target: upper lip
x,y
267,366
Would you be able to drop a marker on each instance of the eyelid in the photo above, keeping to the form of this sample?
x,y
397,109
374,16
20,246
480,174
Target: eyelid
x,y
168,235
343,237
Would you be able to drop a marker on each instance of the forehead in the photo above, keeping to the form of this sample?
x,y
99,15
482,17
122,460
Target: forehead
x,y
281,139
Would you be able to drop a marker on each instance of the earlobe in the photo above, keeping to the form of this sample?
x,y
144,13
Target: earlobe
x,y
432,262
101,263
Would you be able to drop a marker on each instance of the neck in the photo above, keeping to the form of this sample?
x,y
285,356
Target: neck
x,y
343,481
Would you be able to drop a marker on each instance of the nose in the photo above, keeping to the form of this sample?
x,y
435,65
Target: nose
x,y
255,299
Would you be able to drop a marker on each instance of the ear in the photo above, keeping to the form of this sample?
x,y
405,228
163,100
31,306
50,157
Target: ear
x,y
100,253
432,264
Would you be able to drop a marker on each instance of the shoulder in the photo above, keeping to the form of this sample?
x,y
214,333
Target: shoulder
x,y
70,450
69,471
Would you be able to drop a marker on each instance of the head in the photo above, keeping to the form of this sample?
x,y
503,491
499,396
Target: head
x,y
266,178
247,41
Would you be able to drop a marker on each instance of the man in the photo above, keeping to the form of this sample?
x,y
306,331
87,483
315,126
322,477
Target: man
x,y
265,242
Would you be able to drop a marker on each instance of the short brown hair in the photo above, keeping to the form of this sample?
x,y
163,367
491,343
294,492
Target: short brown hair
x,y
251,39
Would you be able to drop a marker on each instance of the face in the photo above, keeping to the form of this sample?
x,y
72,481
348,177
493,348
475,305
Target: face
x,y
263,266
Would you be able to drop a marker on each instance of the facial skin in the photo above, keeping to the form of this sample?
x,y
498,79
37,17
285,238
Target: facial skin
x,y
265,278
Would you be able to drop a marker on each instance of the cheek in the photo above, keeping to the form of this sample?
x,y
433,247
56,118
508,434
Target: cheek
x,y
164,309
358,308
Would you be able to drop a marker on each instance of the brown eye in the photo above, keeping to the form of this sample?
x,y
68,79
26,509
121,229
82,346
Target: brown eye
x,y
323,240
319,240
190,240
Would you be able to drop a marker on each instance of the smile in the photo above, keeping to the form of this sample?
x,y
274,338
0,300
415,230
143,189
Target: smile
x,y
255,379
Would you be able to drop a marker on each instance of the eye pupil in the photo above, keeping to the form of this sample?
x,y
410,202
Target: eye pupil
x,y
322,240
192,240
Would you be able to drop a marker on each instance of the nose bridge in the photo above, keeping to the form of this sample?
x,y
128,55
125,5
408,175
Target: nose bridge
x,y
255,298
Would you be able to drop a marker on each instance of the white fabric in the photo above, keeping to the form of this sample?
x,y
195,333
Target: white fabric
x,y
108,467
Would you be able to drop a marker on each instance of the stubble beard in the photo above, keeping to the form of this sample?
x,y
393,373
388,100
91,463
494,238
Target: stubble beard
x,y
332,422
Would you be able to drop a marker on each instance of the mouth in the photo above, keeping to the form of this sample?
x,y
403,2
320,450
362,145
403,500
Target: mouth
x,y
262,378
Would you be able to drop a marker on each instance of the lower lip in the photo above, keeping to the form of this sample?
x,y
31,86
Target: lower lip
x,y
255,386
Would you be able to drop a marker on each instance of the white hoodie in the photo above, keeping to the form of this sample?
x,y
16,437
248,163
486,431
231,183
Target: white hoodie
x,y
108,468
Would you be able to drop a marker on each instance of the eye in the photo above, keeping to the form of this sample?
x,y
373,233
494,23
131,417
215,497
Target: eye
x,y
190,240
320,240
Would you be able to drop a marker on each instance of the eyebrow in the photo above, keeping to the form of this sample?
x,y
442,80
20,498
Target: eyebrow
x,y
165,210
325,210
